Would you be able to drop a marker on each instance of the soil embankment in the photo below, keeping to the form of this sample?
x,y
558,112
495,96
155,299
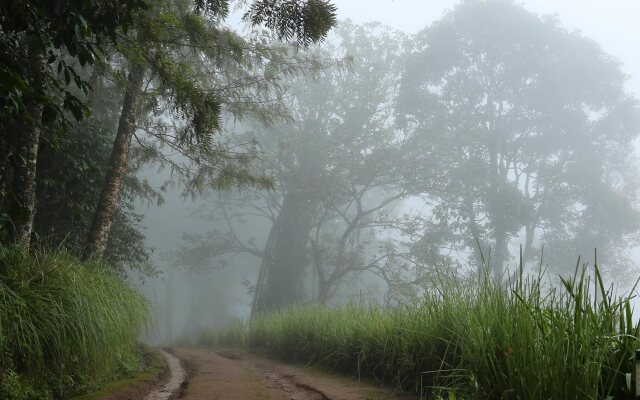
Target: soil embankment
x,y
161,381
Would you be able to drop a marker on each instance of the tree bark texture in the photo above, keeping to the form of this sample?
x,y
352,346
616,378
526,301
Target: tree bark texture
x,y
26,140
285,258
108,202
497,210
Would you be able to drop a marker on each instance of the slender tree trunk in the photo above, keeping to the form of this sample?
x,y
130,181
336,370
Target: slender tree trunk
x,y
320,284
169,308
500,254
26,141
498,219
266,262
528,242
323,295
108,203
285,261
476,243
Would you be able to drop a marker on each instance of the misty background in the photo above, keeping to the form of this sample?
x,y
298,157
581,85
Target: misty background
x,y
209,291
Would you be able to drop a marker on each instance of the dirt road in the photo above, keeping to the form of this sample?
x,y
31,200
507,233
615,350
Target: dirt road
x,y
235,375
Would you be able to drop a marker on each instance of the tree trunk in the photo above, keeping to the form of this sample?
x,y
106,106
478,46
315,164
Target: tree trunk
x,y
169,308
266,262
476,240
500,253
285,259
320,279
108,203
24,162
528,242
496,207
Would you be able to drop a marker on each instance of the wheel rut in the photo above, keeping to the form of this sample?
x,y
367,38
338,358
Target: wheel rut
x,y
237,375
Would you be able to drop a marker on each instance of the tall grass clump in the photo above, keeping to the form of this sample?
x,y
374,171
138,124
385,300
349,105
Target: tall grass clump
x,y
63,322
469,339
232,334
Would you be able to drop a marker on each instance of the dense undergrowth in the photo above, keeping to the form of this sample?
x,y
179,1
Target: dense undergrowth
x,y
465,340
66,326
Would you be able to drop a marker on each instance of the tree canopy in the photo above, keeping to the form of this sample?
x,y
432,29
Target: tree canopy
x,y
190,69
531,129
335,164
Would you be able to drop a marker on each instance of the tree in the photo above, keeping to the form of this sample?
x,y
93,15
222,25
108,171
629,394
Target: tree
x,y
158,49
336,164
71,165
39,47
531,129
334,161
347,238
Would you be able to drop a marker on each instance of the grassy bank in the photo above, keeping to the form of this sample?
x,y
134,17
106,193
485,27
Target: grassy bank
x,y
151,368
66,326
468,340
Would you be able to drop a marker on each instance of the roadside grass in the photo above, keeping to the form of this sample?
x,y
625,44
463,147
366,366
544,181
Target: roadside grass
x,y
66,326
233,334
151,366
470,340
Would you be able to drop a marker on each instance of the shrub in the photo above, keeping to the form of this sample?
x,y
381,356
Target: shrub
x,y
65,323
232,335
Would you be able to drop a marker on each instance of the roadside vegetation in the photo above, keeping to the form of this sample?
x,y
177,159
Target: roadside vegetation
x,y
530,340
66,326
80,81
150,370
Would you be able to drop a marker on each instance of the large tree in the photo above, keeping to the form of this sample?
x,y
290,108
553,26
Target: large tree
x,y
532,131
335,162
169,38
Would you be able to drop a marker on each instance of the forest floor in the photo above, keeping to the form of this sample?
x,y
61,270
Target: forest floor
x,y
238,375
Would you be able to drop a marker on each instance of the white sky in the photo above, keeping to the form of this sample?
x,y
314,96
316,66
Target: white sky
x,y
615,24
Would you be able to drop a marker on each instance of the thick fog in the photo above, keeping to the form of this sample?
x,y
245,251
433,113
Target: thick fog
x,y
613,24
369,199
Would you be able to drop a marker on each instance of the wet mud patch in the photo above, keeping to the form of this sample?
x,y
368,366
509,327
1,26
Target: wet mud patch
x,y
238,375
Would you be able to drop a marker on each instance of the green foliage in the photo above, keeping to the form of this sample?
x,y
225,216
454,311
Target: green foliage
x,y
335,160
69,32
15,387
149,365
200,73
215,8
233,334
307,20
72,164
65,326
470,340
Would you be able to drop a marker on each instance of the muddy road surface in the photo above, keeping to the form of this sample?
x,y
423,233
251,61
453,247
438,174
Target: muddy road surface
x,y
237,375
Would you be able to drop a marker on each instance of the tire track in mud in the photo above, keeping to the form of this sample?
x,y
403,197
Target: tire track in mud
x,y
303,383
275,379
283,381
286,383
238,375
